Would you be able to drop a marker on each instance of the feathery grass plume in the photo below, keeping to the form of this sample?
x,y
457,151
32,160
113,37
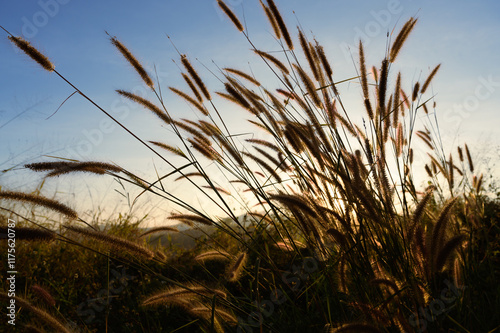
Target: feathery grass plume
x,y
195,76
147,104
171,149
133,61
243,75
281,23
326,64
478,184
160,255
59,168
469,158
264,143
213,255
274,160
191,100
439,230
356,328
191,218
397,94
448,248
401,38
40,201
188,293
363,74
271,20
307,53
339,237
113,241
425,138
99,168
415,91
399,140
231,15
46,317
429,79
217,189
229,148
460,154
237,96
190,174
158,229
33,53
206,312
418,213
204,149
382,87
265,165
451,173
287,245
197,134
28,234
274,60
43,294
192,87
428,170
294,201
308,83
236,269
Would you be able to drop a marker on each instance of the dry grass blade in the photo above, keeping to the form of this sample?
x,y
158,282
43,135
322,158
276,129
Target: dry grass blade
x,y
113,241
281,23
271,20
308,83
429,79
33,53
357,328
158,229
133,61
147,104
191,100
469,158
174,150
40,201
231,15
272,59
195,76
401,38
243,75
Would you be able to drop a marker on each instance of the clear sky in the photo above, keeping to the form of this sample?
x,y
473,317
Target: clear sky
x,y
462,35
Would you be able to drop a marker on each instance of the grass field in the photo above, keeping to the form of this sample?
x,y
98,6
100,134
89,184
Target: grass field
x,y
337,233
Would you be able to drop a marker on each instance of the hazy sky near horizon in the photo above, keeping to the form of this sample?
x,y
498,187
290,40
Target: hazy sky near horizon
x,y
461,35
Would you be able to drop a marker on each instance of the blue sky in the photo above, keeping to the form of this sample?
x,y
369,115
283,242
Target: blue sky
x,y
462,35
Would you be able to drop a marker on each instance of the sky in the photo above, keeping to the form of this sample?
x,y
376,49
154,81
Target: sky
x,y
461,35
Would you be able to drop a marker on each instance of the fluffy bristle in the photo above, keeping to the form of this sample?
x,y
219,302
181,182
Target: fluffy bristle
x,y
33,53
